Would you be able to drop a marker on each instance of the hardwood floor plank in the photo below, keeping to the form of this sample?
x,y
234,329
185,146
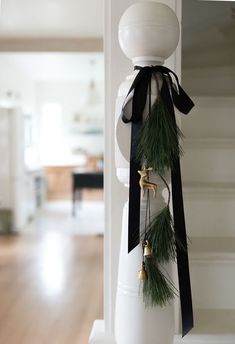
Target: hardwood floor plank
x,y
51,288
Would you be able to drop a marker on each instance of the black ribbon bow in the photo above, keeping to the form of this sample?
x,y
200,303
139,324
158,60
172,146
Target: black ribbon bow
x,y
172,95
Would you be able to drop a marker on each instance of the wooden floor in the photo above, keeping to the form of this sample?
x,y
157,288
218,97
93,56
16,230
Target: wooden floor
x,y
50,288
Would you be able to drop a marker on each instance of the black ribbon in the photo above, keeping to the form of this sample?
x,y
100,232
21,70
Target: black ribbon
x,y
172,95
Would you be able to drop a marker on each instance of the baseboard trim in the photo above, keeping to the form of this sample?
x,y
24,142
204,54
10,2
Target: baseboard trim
x,y
98,335
205,339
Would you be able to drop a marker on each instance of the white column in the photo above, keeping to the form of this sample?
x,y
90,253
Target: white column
x,y
117,66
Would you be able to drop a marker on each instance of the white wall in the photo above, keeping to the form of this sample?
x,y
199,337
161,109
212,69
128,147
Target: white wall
x,y
36,79
15,80
208,60
72,97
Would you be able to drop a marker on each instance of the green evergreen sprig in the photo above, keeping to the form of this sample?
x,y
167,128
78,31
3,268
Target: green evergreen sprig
x,y
161,235
159,143
157,289
159,148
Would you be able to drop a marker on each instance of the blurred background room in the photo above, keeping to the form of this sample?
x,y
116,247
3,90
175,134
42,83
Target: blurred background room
x,y
52,105
51,174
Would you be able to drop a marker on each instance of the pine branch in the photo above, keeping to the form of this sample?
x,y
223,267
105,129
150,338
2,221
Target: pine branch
x,y
159,144
157,289
161,235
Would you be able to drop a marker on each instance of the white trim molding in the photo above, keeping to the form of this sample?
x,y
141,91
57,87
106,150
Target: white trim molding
x,y
98,334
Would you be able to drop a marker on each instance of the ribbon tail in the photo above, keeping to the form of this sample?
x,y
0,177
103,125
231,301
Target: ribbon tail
x,y
134,190
182,101
182,253
180,229
180,98
138,104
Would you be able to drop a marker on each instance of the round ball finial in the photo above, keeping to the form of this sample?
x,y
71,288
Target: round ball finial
x,y
148,31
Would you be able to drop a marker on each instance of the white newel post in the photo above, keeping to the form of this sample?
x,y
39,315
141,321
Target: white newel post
x,y
131,321
148,34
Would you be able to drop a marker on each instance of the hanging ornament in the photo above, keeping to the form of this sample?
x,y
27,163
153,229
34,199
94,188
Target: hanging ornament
x,y
147,249
144,182
142,275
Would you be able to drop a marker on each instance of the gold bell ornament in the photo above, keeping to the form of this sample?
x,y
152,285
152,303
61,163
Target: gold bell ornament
x,y
147,249
142,275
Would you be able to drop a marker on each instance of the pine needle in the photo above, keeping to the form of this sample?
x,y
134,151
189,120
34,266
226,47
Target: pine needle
x,y
157,289
159,144
161,235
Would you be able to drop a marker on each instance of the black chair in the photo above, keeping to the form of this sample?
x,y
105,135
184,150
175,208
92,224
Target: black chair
x,y
85,180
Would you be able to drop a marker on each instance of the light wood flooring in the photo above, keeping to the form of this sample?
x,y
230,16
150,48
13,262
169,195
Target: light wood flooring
x,y
50,288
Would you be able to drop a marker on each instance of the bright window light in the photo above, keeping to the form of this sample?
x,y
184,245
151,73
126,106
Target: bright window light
x,y
51,121
52,139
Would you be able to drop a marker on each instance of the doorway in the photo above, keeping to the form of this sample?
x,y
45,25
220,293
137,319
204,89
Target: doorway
x,y
51,218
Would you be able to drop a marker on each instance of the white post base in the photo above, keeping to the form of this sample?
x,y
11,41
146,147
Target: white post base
x,y
98,335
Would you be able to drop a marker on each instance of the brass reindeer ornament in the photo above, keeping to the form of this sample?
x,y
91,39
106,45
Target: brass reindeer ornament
x,y
144,182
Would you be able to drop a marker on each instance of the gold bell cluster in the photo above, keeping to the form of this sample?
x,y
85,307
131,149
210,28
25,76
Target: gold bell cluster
x,y
145,184
147,253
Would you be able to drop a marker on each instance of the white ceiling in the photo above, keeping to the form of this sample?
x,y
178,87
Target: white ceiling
x,y
51,18
56,66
